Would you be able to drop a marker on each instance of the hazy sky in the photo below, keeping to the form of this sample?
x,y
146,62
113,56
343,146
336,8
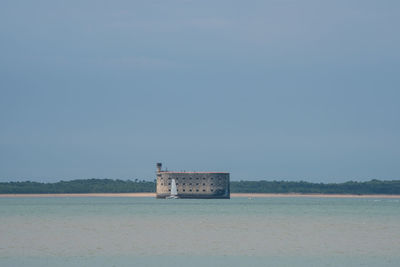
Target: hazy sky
x,y
273,89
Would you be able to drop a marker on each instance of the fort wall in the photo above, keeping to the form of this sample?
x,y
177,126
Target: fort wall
x,y
193,184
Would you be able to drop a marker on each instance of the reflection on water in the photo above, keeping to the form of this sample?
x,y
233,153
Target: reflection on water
x,y
146,231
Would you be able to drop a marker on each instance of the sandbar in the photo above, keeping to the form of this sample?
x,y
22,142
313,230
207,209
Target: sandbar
x,y
266,195
82,195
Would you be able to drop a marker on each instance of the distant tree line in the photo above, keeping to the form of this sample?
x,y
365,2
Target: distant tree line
x,y
351,187
129,186
78,186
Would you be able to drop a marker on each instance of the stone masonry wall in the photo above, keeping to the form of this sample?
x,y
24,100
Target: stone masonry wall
x,y
194,184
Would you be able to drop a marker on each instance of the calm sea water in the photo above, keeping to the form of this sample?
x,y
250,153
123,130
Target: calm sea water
x,y
236,232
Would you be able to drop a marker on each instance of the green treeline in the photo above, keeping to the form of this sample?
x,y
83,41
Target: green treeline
x,y
128,186
78,186
358,188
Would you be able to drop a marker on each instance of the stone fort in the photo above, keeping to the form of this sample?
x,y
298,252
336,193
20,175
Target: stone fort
x,y
193,184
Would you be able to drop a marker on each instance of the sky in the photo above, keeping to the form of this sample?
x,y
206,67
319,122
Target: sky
x,y
266,90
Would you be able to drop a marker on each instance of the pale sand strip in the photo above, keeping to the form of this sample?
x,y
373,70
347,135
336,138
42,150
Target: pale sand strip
x,y
254,195
234,195
83,195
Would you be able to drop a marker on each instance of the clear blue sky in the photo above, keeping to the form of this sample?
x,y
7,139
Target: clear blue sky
x,y
273,89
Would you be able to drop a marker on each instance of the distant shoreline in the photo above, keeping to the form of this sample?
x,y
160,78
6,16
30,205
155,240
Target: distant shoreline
x,y
261,188
233,195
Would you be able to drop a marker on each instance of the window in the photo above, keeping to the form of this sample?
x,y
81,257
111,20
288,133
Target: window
x,y
204,178
197,178
177,183
204,190
183,190
169,183
169,189
197,190
197,183
212,190
204,184
190,184
190,190
212,184
162,184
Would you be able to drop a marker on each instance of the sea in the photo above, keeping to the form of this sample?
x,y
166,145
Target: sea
x,y
134,231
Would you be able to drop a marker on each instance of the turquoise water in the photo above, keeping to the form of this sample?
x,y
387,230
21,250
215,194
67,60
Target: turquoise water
x,y
96,231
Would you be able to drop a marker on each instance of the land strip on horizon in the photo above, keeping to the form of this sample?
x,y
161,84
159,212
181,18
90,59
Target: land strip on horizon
x,y
233,195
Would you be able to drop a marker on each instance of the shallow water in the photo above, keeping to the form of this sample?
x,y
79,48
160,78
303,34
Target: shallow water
x,y
151,232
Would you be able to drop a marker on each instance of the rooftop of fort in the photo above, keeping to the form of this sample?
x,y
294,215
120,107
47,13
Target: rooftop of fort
x,y
192,172
159,166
